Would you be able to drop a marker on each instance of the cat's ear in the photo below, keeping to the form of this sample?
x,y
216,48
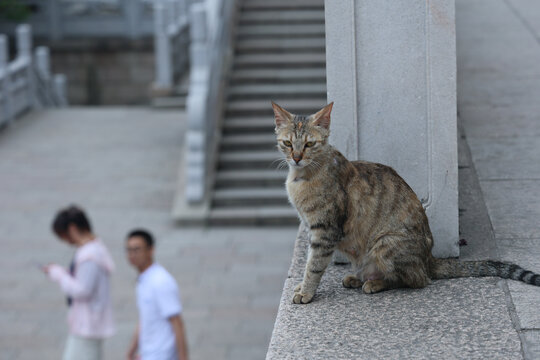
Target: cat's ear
x,y
322,117
282,116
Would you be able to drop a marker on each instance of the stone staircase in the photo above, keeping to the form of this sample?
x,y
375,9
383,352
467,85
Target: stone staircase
x,y
279,56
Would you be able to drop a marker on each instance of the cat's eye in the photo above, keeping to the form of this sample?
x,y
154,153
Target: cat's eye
x,y
310,143
287,143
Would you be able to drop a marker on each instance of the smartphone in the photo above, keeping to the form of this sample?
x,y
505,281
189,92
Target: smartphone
x,y
39,265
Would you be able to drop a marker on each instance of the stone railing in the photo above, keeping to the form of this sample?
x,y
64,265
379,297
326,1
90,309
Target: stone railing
x,y
171,42
211,27
58,19
26,82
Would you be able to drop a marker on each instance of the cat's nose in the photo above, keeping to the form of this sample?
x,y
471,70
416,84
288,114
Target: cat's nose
x,y
297,159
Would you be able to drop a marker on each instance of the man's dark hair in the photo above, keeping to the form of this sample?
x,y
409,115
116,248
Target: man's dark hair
x,y
144,234
70,215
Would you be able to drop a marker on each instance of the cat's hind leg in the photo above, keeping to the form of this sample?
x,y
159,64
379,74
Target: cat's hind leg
x,y
399,263
352,281
377,285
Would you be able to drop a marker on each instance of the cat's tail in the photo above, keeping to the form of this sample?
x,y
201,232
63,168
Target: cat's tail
x,y
453,268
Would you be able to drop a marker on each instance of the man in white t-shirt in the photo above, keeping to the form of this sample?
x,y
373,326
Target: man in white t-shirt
x,y
160,334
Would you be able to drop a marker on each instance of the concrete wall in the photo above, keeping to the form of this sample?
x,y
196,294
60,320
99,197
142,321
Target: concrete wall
x,y
391,70
105,72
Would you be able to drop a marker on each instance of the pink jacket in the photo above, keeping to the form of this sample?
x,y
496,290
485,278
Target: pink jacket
x,y
90,314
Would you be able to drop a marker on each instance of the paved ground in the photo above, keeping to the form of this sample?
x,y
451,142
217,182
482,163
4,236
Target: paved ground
x,y
498,102
121,165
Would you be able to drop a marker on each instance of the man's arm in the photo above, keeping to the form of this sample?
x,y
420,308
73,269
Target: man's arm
x,y
132,352
79,287
180,335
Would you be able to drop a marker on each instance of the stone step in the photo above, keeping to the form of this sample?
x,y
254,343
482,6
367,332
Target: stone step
x,y
280,56
250,197
280,31
266,160
251,125
248,141
272,91
288,46
280,61
282,5
254,216
251,178
264,108
304,16
278,76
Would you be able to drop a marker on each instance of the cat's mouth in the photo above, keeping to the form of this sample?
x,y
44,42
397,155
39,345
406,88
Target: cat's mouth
x,y
301,164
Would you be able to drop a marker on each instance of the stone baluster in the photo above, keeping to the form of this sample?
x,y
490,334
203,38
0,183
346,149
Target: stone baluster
x,y
196,138
43,63
59,87
23,35
5,88
162,49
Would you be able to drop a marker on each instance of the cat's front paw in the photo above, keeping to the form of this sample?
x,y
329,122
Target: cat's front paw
x,y
300,298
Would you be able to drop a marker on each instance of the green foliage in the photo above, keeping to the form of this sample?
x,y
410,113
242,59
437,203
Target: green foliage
x,y
13,10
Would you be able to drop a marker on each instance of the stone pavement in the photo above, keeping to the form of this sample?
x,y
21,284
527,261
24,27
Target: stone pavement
x,y
499,146
498,52
121,165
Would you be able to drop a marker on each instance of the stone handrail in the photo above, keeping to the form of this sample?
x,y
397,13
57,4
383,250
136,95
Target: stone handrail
x,y
211,27
26,82
171,41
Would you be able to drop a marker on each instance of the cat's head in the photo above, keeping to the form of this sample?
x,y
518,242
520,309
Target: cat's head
x,y
302,139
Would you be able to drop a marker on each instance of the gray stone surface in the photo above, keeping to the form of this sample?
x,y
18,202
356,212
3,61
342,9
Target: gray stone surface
x,y
531,344
474,223
498,92
522,251
394,87
514,207
526,299
507,157
530,19
502,121
459,319
121,165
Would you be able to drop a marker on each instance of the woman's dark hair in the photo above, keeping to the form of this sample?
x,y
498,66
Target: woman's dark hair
x,y
144,234
70,215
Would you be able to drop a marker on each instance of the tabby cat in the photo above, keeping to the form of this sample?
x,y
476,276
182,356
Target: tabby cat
x,y
367,211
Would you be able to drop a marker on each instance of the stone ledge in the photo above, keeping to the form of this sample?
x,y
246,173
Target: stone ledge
x,y
460,319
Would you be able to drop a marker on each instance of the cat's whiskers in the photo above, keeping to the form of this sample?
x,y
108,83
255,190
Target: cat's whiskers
x,y
282,163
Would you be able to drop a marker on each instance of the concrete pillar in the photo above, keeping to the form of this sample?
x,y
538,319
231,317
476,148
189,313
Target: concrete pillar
x,y
391,71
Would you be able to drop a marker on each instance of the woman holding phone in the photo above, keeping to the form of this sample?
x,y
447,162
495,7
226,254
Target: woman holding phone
x,y
86,284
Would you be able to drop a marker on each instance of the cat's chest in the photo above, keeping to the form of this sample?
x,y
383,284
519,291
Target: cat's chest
x,y
300,190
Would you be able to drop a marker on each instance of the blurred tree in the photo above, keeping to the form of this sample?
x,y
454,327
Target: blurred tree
x,y
14,10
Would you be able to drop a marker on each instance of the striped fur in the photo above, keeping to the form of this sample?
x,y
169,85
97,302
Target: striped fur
x,y
452,268
365,210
